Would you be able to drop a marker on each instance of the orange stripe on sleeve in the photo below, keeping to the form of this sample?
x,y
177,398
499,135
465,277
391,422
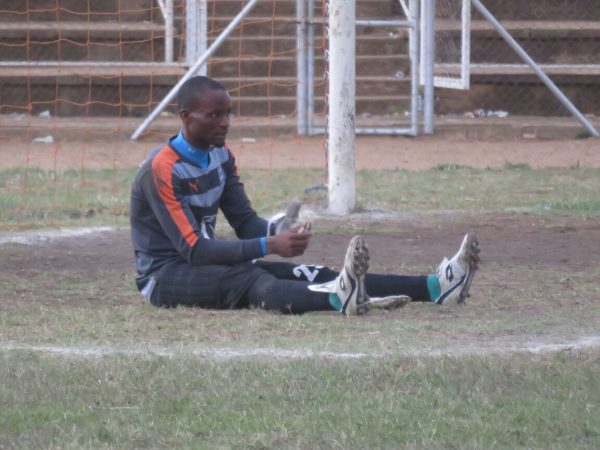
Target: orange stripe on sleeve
x,y
162,170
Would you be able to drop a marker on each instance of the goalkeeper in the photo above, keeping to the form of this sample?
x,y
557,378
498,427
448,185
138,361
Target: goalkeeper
x,y
176,195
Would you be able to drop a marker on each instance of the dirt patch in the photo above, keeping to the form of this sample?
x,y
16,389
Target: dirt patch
x,y
372,152
537,285
417,243
518,250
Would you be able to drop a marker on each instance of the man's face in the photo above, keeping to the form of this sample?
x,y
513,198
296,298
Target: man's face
x,y
207,122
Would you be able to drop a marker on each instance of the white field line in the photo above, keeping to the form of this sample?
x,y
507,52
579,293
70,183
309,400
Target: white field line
x,y
35,237
225,354
206,353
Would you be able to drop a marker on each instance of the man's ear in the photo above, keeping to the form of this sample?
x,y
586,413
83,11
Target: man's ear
x,y
184,114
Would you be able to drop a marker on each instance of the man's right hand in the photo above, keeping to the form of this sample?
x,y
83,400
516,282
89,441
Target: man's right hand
x,y
290,243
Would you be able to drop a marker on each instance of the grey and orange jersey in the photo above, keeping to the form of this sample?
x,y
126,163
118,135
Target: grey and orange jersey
x,y
173,212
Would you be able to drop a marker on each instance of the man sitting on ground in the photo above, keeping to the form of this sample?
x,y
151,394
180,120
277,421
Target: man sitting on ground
x,y
176,195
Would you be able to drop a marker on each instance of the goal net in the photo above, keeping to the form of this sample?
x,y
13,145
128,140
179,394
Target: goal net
x,y
78,77
452,43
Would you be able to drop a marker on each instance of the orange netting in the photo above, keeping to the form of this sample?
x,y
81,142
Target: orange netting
x,y
78,77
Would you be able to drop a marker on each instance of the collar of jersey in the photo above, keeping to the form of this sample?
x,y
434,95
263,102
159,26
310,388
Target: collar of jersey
x,y
190,153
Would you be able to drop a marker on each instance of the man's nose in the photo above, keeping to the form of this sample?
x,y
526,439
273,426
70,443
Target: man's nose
x,y
224,121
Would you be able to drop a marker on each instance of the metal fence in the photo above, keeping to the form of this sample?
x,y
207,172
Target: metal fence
x,y
562,36
120,58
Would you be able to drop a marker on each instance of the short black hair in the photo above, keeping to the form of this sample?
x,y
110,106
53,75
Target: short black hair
x,y
186,96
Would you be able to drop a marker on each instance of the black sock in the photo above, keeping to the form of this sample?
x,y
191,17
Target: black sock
x,y
378,285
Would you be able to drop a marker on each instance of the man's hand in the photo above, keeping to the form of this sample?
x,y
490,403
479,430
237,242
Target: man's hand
x,y
290,243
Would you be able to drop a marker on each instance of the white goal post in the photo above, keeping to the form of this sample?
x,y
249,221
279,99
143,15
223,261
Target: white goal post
x,y
342,108
452,53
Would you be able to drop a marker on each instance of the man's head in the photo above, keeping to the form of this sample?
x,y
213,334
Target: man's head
x,y
204,107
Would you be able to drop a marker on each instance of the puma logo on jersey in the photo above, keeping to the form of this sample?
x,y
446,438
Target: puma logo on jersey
x,y
194,185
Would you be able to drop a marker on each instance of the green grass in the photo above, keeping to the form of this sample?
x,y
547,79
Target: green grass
x,y
186,402
457,188
35,198
395,398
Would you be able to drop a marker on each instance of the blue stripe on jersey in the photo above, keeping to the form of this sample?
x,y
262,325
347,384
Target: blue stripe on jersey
x,y
203,186
189,152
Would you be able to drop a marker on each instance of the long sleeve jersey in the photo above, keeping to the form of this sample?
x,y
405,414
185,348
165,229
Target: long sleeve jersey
x,y
173,212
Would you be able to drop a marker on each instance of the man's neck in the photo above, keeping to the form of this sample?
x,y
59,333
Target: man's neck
x,y
196,155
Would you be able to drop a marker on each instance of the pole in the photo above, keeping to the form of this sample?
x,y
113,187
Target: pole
x,y
413,35
342,108
203,34
428,30
169,31
310,68
194,69
196,31
191,31
536,68
301,69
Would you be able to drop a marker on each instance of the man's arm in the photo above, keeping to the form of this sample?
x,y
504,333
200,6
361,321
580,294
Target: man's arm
x,y
236,205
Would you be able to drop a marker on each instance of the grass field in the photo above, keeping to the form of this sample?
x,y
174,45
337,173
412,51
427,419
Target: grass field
x,y
545,401
87,365
36,198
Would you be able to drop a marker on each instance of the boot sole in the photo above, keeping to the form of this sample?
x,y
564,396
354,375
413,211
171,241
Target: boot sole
x,y
389,303
472,257
357,263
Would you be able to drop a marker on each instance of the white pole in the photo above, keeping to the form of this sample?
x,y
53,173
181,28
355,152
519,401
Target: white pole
x,y
169,31
301,69
194,69
405,8
163,8
310,68
413,16
536,68
342,109
465,59
191,31
196,32
428,37
203,34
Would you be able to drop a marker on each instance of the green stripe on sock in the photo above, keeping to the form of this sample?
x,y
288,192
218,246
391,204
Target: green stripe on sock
x,y
335,302
434,288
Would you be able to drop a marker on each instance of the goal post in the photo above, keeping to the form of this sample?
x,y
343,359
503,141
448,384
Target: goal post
x,y
341,127
452,30
342,109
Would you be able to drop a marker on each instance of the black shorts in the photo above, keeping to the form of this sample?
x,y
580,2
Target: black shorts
x,y
224,287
